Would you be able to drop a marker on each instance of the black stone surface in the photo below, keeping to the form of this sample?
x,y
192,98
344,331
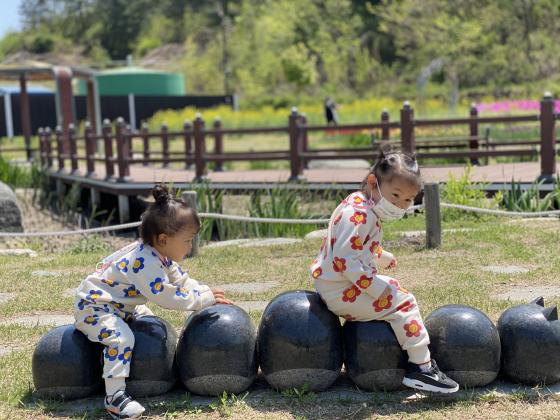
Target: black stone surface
x,y
465,344
217,351
66,365
152,370
530,336
299,342
373,357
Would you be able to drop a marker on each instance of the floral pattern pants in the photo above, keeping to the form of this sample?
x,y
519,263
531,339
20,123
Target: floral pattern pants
x,y
109,327
395,305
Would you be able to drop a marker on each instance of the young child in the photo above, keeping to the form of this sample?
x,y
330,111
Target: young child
x,y
345,273
140,272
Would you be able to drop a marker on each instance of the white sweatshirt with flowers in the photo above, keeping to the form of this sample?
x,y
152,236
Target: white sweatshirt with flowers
x,y
351,252
137,274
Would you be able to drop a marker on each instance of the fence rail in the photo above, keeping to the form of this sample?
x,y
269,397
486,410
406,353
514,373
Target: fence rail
x,y
115,148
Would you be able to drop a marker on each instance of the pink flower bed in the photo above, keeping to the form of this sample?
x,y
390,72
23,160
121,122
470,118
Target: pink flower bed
x,y
512,106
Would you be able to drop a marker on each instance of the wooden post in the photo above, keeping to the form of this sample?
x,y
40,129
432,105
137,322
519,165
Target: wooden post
x,y
433,215
487,144
48,146
548,140
199,149
90,105
42,147
90,149
296,167
187,136
122,152
218,144
304,140
144,133
385,131
108,146
127,133
60,148
473,128
25,114
73,148
189,197
165,144
408,144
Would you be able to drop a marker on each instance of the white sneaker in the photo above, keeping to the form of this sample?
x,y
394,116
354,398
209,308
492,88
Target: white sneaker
x,y
122,406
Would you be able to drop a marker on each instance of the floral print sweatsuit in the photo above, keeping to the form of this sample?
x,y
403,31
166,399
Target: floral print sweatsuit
x,y
345,276
117,292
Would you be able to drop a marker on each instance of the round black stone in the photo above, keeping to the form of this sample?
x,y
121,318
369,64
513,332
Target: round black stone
x,y
465,344
530,336
299,342
66,365
217,351
152,370
373,357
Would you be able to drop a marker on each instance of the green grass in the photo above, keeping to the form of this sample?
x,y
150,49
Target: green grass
x,y
451,274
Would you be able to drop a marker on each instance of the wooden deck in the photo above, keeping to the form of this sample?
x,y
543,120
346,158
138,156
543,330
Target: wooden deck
x,y
524,172
142,178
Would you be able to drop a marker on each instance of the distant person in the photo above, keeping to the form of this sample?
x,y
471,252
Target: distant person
x,y
330,111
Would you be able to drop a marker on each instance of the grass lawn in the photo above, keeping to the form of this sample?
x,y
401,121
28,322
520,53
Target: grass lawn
x,y
451,274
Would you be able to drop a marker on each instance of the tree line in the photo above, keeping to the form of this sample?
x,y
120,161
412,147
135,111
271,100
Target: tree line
x,y
282,48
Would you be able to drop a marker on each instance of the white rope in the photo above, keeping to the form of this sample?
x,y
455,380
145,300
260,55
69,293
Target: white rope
x,y
271,220
503,212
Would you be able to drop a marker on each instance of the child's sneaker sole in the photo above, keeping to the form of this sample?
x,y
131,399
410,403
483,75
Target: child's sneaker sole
x,y
422,386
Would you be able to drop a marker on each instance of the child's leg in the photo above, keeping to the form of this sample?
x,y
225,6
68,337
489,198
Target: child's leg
x,y
399,308
142,310
112,331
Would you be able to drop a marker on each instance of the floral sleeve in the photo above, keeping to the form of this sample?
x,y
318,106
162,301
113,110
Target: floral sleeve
x,y
355,242
153,282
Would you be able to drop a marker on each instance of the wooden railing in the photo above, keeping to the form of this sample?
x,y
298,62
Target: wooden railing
x,y
117,142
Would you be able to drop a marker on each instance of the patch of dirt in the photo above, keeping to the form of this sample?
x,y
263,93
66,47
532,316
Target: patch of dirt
x,y
36,219
41,319
529,293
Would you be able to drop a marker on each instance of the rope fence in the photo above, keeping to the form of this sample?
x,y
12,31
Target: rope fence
x,y
239,218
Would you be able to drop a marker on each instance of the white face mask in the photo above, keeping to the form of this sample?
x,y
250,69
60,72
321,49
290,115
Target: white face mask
x,y
386,210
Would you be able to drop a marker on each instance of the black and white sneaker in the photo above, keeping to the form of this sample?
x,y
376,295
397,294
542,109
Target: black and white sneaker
x,y
122,406
432,380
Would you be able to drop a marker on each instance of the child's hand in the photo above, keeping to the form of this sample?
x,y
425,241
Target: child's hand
x,y
220,297
392,264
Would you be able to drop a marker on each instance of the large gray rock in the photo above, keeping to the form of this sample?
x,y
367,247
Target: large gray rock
x,y
10,214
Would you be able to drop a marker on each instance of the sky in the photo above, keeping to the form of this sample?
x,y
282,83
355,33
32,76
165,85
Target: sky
x,y
9,17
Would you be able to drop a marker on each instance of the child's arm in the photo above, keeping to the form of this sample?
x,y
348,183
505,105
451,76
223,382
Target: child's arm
x,y
356,242
386,259
156,286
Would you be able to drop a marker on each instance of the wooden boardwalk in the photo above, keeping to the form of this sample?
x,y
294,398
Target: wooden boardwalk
x,y
523,172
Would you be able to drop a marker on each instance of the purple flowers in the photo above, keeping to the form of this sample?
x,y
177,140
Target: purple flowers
x,y
512,106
